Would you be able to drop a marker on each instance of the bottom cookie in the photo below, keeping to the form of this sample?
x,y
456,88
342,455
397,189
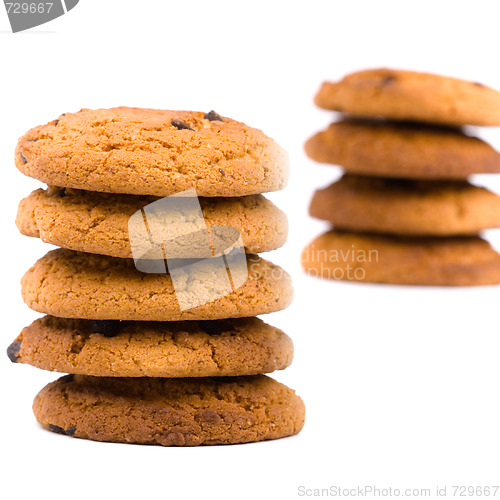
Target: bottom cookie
x,y
170,412
466,261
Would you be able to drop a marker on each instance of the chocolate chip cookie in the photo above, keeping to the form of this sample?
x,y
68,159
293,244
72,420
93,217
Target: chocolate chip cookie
x,y
98,222
170,412
72,284
230,347
413,96
152,152
384,149
406,207
363,257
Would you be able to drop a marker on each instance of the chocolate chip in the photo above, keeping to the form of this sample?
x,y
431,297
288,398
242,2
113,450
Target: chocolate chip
x,y
31,140
477,84
13,350
109,328
68,432
23,159
56,428
214,327
387,80
213,116
222,172
56,121
61,193
181,125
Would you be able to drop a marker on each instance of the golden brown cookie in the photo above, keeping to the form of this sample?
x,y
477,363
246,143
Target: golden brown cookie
x,y
379,148
72,284
170,412
413,96
152,152
397,206
98,222
404,261
230,347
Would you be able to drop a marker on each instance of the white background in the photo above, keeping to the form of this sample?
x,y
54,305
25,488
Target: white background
x,y
401,384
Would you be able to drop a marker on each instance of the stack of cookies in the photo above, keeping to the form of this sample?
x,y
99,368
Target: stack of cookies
x,y
142,367
404,212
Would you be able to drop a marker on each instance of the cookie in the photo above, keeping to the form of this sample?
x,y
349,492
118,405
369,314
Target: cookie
x,y
231,347
170,412
406,207
379,148
71,284
98,223
403,261
152,152
413,96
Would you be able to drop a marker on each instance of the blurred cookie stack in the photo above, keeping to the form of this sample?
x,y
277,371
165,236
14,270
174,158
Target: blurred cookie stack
x,y
144,369
404,211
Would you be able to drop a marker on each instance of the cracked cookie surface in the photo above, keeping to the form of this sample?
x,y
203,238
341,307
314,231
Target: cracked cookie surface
x,y
396,206
98,222
152,152
412,96
170,412
72,284
231,347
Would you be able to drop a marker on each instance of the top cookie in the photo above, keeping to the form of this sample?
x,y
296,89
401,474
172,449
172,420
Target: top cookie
x,y
152,152
408,95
